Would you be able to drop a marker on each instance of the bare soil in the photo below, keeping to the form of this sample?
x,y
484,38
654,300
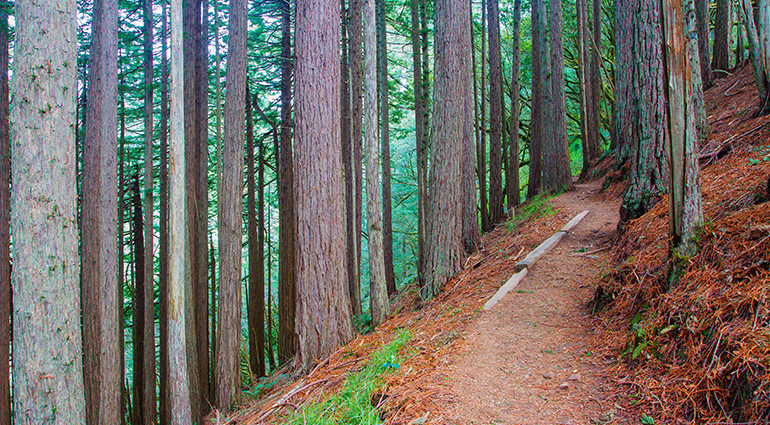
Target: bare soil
x,y
528,360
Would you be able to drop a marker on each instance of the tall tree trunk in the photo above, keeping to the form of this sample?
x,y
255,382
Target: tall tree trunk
x,y
356,140
643,137
758,50
5,217
324,325
387,206
471,235
496,215
137,329
347,157
256,293
100,287
537,126
192,31
595,114
121,245
703,20
378,291
230,222
286,213
513,185
179,293
47,350
556,167
202,209
218,113
420,136
451,121
722,29
269,337
148,390
685,212
583,86
481,149
163,253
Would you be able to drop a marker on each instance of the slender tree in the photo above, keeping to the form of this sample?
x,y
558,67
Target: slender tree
x,y
5,217
420,136
256,293
355,27
286,263
148,389
180,395
100,286
481,149
163,253
378,291
512,184
137,330
756,35
347,157
387,205
583,86
471,234
47,351
230,227
537,126
496,215
451,119
320,244
595,115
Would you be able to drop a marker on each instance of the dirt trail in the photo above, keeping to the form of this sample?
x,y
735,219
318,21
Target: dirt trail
x,y
527,361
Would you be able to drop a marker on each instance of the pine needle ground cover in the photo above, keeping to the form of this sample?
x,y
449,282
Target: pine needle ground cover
x,y
696,348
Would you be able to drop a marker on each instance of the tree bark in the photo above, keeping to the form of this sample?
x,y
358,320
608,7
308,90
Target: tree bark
x,y
496,215
623,117
513,185
387,207
583,86
378,290
137,330
556,166
286,213
481,150
230,222
356,140
420,136
471,234
758,51
100,286
5,217
347,158
256,293
595,114
163,253
47,357
685,211
451,120
536,115
703,20
722,27
323,305
179,292
148,372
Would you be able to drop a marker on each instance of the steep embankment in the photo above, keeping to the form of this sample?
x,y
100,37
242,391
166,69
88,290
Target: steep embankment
x,y
700,351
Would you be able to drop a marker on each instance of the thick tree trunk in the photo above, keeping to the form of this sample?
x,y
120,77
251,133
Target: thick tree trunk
x,y
513,185
722,26
356,140
481,149
179,292
47,349
703,20
450,128
163,253
100,287
320,246
496,215
685,212
230,231
623,117
5,217
537,126
387,207
148,389
137,330
378,290
286,213
420,136
556,167
256,292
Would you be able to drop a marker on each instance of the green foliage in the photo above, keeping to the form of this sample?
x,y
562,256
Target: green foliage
x,y
647,420
356,403
537,207
764,155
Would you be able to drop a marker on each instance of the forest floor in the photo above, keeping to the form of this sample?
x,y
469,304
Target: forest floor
x,y
529,360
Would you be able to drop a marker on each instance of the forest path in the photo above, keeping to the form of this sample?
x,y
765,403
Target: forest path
x,y
528,360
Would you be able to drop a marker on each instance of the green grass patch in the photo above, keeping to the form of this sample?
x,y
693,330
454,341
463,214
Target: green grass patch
x,y
537,207
354,404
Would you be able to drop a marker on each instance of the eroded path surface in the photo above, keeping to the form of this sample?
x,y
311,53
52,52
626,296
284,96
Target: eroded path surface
x,y
528,360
